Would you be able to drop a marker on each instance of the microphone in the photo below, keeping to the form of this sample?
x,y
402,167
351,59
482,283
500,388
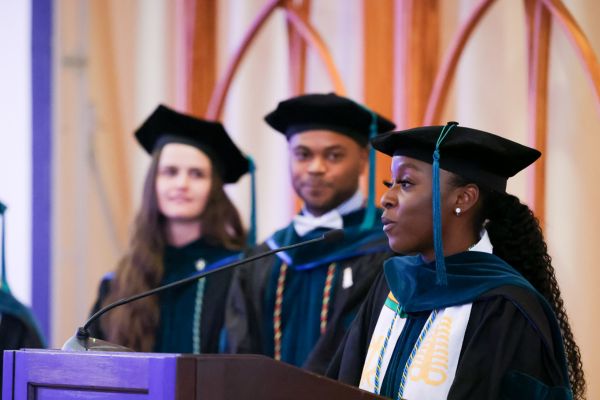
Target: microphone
x,y
82,341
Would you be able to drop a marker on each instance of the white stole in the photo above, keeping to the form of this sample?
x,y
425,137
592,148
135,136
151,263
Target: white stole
x,y
433,368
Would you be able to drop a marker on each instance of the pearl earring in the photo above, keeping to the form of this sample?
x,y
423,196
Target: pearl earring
x,y
457,211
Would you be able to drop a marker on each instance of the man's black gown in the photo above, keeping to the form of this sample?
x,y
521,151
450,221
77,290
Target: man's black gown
x,y
251,301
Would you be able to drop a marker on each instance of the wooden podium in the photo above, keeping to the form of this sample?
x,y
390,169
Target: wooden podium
x,y
53,375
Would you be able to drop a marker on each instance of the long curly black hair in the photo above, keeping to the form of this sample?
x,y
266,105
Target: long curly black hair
x,y
517,238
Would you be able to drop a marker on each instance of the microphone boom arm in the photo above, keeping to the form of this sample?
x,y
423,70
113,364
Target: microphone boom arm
x,y
83,332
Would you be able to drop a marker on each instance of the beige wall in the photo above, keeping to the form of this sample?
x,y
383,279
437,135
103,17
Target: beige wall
x,y
573,193
15,143
107,80
491,92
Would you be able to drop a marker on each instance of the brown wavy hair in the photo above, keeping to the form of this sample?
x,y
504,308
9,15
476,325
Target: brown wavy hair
x,y
134,325
517,238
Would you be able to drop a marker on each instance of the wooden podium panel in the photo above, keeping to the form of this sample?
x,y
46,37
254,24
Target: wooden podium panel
x,y
54,375
60,375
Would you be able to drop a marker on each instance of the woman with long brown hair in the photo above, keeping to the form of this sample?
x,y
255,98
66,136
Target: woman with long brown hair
x,y
473,311
186,224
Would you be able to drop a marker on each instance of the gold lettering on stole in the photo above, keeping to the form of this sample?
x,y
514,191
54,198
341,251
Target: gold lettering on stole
x,y
430,364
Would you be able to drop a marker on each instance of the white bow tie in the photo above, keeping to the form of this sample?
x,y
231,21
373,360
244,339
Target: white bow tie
x,y
306,223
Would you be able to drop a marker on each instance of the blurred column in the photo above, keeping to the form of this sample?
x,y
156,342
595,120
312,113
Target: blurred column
x,y
379,68
201,55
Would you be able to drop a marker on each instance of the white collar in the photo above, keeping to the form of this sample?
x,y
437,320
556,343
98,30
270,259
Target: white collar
x,y
484,245
352,204
306,222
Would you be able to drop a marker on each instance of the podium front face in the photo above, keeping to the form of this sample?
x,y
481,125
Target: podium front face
x,y
54,375
58,375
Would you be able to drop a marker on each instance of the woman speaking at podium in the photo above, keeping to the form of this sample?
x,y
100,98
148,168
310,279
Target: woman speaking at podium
x,y
474,310
186,224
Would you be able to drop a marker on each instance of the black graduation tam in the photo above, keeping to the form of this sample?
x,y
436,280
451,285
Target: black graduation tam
x,y
326,111
483,157
165,125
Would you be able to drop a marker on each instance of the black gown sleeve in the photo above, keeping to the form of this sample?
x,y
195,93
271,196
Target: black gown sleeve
x,y
95,328
347,363
213,312
508,351
243,310
16,334
347,302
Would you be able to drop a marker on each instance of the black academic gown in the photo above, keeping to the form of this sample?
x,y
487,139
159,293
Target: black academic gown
x,y
250,307
18,329
508,340
178,305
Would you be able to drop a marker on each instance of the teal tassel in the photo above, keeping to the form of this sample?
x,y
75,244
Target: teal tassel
x,y
369,219
438,246
440,265
4,282
252,231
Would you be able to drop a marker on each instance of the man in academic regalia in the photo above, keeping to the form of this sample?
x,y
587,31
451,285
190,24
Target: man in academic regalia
x,y
18,328
297,305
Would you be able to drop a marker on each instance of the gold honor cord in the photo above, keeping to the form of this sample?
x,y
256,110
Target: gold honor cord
x,y
277,330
